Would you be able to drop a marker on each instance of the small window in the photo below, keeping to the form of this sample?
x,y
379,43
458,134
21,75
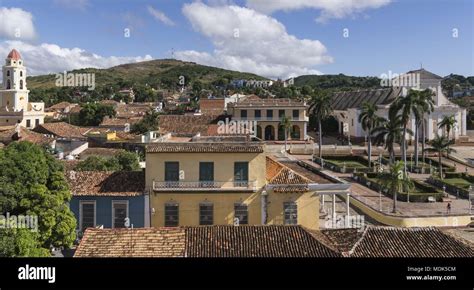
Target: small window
x,y
8,73
171,215
291,213
37,122
241,213
21,84
206,174
258,113
296,114
241,174
8,87
281,113
119,213
21,73
172,171
352,122
206,214
243,114
270,114
86,215
28,123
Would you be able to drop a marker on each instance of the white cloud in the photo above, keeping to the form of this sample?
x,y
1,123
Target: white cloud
x,y
50,58
330,9
16,23
246,40
160,16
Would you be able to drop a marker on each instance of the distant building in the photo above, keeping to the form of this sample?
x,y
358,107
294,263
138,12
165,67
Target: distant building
x,y
347,106
268,114
251,83
15,107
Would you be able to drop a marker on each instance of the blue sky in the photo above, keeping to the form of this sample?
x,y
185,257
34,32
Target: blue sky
x,y
274,39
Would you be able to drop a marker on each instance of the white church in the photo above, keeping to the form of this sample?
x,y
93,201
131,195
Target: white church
x,y
15,109
347,105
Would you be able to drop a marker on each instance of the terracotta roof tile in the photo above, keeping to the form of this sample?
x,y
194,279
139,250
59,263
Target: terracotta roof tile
x,y
100,183
187,125
203,241
23,134
198,147
390,242
139,242
119,121
62,130
285,179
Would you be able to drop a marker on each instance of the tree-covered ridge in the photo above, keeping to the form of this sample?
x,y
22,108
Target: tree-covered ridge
x,y
339,81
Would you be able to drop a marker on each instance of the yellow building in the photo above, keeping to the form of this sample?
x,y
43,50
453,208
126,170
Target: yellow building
x,y
194,183
268,113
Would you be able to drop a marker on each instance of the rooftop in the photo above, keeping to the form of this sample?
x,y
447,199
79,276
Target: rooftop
x,y
204,241
205,147
255,101
100,183
62,130
212,106
14,54
23,134
187,125
354,99
391,242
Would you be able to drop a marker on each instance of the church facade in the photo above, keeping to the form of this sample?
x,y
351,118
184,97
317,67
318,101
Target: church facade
x,y
15,108
347,106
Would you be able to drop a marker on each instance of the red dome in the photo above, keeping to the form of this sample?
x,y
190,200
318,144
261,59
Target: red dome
x,y
14,54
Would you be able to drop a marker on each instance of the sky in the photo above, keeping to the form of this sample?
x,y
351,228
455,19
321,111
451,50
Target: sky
x,y
272,38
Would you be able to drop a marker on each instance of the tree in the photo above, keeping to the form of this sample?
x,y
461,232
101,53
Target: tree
x,y
148,123
286,124
32,183
448,122
369,120
389,133
124,161
406,106
425,105
396,181
128,161
93,114
440,144
321,108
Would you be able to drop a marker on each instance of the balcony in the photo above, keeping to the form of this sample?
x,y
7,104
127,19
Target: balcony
x,y
205,186
276,119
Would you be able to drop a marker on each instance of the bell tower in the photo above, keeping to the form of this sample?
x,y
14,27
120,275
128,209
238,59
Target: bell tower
x,y
14,92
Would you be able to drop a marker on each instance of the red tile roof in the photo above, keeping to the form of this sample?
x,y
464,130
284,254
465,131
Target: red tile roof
x,y
212,107
23,134
186,125
139,242
285,179
100,183
62,130
203,241
391,242
14,54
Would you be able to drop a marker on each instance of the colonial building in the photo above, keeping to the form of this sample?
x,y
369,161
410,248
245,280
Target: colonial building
x,y
347,105
222,183
14,105
268,113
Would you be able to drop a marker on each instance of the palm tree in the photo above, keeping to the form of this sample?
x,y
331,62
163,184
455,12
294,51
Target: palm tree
x,y
440,144
369,120
448,123
396,181
389,133
286,124
405,106
426,105
321,108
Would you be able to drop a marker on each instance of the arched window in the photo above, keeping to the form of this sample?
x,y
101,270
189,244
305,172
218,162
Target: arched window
x,y
21,84
21,73
8,85
8,73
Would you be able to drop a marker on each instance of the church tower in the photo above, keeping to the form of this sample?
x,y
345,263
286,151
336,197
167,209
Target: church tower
x,y
15,108
14,92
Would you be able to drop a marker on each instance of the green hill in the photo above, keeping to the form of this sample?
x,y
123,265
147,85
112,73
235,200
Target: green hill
x,y
339,81
163,73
